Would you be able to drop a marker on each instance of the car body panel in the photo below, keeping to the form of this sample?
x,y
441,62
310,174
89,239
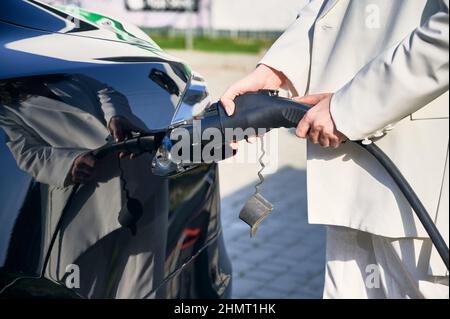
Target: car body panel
x,y
195,264
37,15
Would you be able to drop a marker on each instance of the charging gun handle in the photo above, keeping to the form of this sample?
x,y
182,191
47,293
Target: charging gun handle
x,y
145,143
263,110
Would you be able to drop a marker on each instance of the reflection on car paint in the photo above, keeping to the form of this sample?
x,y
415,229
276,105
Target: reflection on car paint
x,y
55,104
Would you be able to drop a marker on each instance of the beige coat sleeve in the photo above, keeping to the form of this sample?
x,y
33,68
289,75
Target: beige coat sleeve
x,y
290,54
398,82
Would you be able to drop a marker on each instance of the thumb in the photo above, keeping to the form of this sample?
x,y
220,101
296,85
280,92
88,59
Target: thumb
x,y
312,99
241,87
117,133
227,101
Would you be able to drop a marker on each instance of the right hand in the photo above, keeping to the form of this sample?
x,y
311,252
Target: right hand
x,y
262,78
83,169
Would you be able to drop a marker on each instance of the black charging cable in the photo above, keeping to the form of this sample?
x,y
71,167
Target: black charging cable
x,y
411,197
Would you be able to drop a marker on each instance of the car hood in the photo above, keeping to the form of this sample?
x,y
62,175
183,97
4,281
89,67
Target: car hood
x,y
37,15
41,38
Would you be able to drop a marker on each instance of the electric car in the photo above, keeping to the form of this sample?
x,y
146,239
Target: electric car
x,y
64,74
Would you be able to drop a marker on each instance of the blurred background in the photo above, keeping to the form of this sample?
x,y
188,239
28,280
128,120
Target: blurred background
x,y
209,25
223,40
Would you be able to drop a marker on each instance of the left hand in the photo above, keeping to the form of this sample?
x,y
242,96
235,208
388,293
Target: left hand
x,y
121,129
318,125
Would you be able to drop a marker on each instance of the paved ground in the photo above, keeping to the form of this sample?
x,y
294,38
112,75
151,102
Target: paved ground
x,y
286,258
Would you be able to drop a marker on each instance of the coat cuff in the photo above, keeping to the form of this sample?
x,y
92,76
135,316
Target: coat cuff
x,y
345,122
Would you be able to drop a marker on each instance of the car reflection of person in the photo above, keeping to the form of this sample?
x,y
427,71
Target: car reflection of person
x,y
52,123
387,63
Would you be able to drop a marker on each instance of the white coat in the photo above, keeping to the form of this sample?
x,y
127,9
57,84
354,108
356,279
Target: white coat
x,y
388,64
45,135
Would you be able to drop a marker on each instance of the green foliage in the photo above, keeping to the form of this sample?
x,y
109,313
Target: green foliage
x,y
227,45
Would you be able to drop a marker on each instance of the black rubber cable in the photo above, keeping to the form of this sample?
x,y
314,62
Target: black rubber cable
x,y
411,197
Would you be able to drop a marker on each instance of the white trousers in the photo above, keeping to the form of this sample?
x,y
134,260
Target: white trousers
x,y
361,265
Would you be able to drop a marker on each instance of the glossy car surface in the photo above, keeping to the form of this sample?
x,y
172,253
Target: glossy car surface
x,y
59,72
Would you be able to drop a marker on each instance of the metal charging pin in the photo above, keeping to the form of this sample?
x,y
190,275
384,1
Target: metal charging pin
x,y
257,208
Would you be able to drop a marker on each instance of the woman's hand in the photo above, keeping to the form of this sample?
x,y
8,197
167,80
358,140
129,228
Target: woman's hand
x,y
318,125
263,77
83,169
